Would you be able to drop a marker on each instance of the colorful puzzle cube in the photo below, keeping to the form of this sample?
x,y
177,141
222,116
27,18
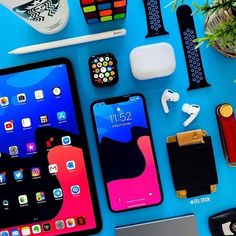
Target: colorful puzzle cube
x,y
103,10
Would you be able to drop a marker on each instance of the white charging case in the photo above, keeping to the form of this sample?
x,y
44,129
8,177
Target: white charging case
x,y
152,61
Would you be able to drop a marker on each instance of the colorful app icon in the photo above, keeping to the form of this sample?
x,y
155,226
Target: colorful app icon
x,y
49,142
38,94
18,174
31,147
5,233
66,140
4,101
3,179
15,232
8,125
26,122
25,231
56,91
70,223
36,229
43,119
75,189
40,196
5,203
81,220
21,97
57,193
70,165
60,224
35,172
13,150
23,199
61,116
53,168
47,227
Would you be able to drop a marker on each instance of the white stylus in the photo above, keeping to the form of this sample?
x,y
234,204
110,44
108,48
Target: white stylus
x,y
69,42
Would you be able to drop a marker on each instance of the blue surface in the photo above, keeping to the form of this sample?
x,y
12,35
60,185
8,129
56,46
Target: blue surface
x,y
220,72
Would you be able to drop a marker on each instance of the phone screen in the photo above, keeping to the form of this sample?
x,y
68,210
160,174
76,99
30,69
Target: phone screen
x,y
44,180
126,152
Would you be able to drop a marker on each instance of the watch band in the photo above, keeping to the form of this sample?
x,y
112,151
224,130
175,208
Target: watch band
x,y
154,19
193,59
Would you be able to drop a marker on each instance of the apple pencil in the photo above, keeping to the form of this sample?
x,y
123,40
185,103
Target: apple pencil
x,y
69,42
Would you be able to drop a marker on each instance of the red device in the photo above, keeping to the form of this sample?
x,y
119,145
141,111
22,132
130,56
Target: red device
x,y
227,128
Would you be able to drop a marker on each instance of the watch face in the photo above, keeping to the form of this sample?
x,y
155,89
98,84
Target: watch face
x,y
103,70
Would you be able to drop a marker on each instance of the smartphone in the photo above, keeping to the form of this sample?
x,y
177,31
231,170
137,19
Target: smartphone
x,y
126,152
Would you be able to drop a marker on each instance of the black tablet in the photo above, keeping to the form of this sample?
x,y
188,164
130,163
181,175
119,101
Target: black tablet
x,y
46,180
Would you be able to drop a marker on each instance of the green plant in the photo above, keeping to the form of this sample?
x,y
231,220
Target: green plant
x,y
225,32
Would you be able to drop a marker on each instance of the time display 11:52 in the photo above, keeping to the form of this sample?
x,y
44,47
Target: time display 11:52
x,y
121,117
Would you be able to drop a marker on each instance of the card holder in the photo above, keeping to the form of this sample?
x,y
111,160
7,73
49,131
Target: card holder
x,y
227,128
192,163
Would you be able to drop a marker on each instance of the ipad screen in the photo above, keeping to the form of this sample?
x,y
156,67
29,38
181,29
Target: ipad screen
x,y
45,178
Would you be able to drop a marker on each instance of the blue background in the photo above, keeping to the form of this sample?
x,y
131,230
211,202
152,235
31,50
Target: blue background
x,y
220,72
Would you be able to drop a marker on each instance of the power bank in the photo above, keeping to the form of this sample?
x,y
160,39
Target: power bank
x,y
178,226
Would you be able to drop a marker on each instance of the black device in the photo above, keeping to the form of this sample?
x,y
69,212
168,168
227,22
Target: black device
x,y
154,18
103,70
192,163
46,178
223,223
193,59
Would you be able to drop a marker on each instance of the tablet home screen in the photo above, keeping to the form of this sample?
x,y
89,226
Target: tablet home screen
x,y
44,186
126,152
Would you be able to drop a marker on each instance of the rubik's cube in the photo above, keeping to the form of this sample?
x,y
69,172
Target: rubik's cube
x,y
103,10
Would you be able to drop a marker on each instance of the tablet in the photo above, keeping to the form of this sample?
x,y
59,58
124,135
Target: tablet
x,y
46,180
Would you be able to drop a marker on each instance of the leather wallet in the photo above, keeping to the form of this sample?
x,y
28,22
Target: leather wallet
x,y
227,128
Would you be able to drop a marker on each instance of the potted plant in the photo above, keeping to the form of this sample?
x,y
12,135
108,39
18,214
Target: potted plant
x,y
220,25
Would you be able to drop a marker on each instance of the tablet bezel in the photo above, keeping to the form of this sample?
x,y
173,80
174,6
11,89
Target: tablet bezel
x,y
79,118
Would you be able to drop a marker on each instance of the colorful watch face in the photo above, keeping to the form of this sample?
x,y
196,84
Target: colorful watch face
x,y
103,70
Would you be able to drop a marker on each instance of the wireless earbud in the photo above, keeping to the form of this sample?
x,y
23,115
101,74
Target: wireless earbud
x,y
191,110
168,96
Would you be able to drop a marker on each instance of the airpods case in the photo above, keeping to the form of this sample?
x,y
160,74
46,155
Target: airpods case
x,y
152,61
